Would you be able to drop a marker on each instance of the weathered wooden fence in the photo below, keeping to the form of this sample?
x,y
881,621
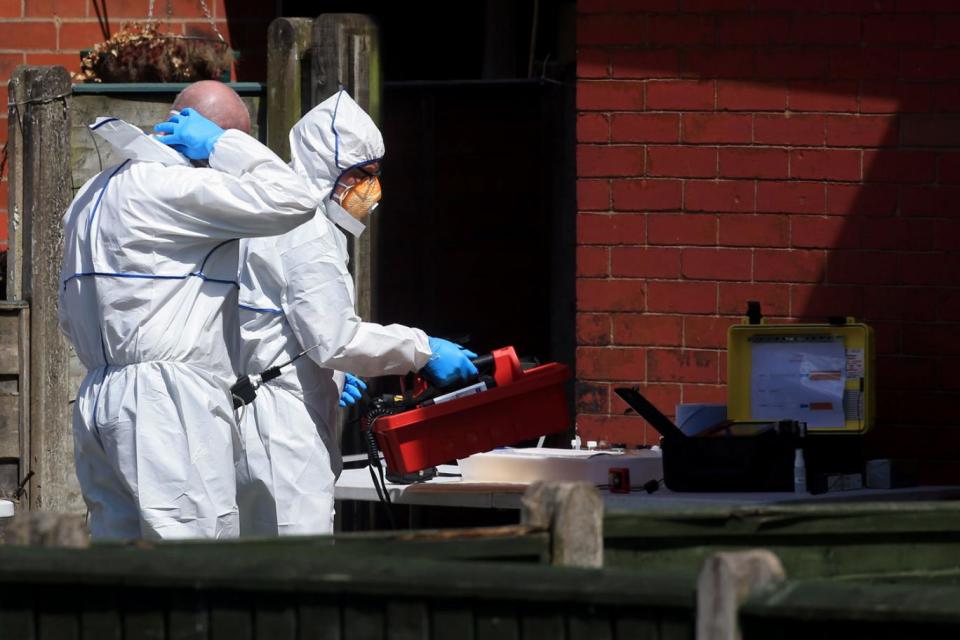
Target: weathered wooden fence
x,y
113,593
39,192
879,571
493,583
842,541
14,395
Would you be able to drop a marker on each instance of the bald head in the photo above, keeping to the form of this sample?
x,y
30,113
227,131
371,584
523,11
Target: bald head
x,y
217,102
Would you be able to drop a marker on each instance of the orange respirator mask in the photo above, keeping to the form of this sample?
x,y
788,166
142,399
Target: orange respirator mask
x,y
361,198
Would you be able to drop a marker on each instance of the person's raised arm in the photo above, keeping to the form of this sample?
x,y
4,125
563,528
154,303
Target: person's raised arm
x,y
247,190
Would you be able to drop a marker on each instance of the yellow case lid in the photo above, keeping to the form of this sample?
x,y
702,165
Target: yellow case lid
x,y
821,374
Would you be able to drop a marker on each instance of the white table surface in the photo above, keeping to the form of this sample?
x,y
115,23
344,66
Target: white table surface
x,y
446,491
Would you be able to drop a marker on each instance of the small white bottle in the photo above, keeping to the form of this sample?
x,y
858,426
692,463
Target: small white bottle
x,y
575,443
799,472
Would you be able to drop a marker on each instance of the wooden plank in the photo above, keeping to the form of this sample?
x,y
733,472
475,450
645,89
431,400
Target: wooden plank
x,y
9,477
509,544
496,622
17,97
320,618
47,192
363,620
542,624
17,607
787,520
231,618
10,342
408,620
812,541
55,620
633,626
348,575
143,619
675,628
187,616
287,42
100,614
824,601
454,621
849,558
591,625
275,618
26,475
9,426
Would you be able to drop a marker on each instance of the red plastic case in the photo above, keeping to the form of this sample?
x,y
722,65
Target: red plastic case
x,y
523,405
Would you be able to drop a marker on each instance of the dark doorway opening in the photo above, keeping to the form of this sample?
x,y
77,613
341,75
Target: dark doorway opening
x,y
477,226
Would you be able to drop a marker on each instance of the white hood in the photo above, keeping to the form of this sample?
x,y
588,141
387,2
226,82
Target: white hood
x,y
333,137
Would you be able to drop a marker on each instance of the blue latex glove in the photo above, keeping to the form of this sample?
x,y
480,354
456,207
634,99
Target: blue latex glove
x,y
189,133
353,388
449,363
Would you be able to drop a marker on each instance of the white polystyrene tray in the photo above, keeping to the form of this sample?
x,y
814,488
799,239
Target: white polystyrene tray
x,y
524,466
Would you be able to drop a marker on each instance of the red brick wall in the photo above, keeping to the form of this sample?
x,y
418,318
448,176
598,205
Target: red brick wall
x,y
801,153
54,32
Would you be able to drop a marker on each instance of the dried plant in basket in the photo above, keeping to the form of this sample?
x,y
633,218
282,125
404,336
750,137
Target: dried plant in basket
x,y
140,53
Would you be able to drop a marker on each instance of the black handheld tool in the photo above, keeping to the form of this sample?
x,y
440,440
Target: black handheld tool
x,y
244,390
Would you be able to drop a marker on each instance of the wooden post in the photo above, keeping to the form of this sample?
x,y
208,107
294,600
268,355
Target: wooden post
x,y
346,53
17,91
725,582
47,191
573,512
288,40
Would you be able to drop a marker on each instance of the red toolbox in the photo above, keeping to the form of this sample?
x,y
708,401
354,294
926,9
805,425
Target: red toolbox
x,y
523,405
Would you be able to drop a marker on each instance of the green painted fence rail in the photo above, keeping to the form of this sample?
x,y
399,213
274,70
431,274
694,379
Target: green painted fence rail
x,y
188,592
509,544
803,610
853,541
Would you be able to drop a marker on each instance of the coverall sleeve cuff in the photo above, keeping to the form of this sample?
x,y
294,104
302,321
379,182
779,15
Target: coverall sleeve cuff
x,y
422,350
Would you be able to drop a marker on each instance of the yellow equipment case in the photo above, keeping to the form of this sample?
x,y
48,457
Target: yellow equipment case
x,y
820,374
791,388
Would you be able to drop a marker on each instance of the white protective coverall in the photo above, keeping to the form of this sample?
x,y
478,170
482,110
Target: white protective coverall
x,y
149,303
296,292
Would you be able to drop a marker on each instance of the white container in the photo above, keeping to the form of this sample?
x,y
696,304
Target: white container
x,y
6,509
524,466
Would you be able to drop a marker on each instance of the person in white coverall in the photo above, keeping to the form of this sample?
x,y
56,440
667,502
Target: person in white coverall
x,y
149,299
295,294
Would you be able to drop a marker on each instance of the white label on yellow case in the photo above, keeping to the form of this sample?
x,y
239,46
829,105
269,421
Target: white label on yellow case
x,y
855,365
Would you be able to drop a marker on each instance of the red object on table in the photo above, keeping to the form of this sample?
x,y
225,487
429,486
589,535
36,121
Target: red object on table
x,y
524,405
619,480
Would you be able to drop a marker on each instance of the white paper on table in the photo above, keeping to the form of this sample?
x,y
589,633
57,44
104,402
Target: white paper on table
x,y
800,380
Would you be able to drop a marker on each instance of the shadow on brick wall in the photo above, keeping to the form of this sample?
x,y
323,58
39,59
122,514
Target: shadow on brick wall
x,y
808,159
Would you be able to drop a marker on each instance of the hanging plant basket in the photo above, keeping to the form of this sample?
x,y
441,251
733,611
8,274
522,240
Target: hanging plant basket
x,y
140,53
